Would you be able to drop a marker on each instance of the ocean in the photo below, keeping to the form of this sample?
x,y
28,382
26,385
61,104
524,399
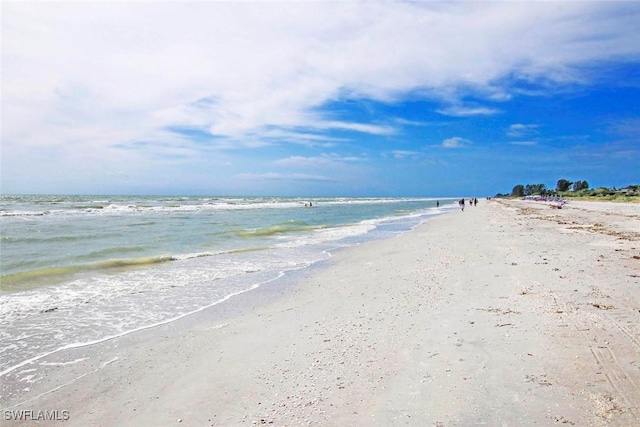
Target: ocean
x,y
80,270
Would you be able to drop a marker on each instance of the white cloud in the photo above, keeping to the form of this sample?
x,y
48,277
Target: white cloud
x,y
406,154
302,138
461,111
306,162
356,127
455,142
404,122
518,130
88,76
331,161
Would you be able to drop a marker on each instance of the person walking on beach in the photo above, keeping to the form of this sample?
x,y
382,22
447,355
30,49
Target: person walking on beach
x,y
461,202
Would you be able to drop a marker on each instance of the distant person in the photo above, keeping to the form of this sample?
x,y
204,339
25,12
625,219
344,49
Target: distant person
x,y
475,202
437,203
461,202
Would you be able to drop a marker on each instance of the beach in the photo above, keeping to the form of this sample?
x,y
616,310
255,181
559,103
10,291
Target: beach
x,y
509,313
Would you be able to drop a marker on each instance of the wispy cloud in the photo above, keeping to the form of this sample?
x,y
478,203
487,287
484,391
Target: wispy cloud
x,y
356,127
406,154
275,176
307,139
417,123
518,130
324,161
462,111
455,142
625,128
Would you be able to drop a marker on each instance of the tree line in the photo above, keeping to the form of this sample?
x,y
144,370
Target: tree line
x,y
562,185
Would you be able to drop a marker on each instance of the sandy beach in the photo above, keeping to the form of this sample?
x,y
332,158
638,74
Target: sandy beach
x,y
507,314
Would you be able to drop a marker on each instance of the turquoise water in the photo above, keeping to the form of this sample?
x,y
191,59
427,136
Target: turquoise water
x,y
78,270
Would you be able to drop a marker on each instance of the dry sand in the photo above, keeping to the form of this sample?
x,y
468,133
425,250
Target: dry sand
x,y
506,314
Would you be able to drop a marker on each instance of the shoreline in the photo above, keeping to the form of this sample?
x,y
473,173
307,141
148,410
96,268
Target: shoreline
x,y
508,313
288,273
240,244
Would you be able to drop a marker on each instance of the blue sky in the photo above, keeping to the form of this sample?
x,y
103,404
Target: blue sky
x,y
318,98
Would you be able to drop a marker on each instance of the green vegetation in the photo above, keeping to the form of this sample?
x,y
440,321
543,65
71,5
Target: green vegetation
x,y
577,190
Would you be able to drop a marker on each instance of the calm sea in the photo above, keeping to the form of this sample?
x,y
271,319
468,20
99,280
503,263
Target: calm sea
x,y
78,270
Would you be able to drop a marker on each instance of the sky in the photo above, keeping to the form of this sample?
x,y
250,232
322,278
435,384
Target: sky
x,y
318,98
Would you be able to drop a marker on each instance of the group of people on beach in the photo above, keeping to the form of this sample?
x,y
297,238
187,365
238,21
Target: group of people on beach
x,y
472,202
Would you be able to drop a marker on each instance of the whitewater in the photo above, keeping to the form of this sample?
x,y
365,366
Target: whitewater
x,y
80,270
